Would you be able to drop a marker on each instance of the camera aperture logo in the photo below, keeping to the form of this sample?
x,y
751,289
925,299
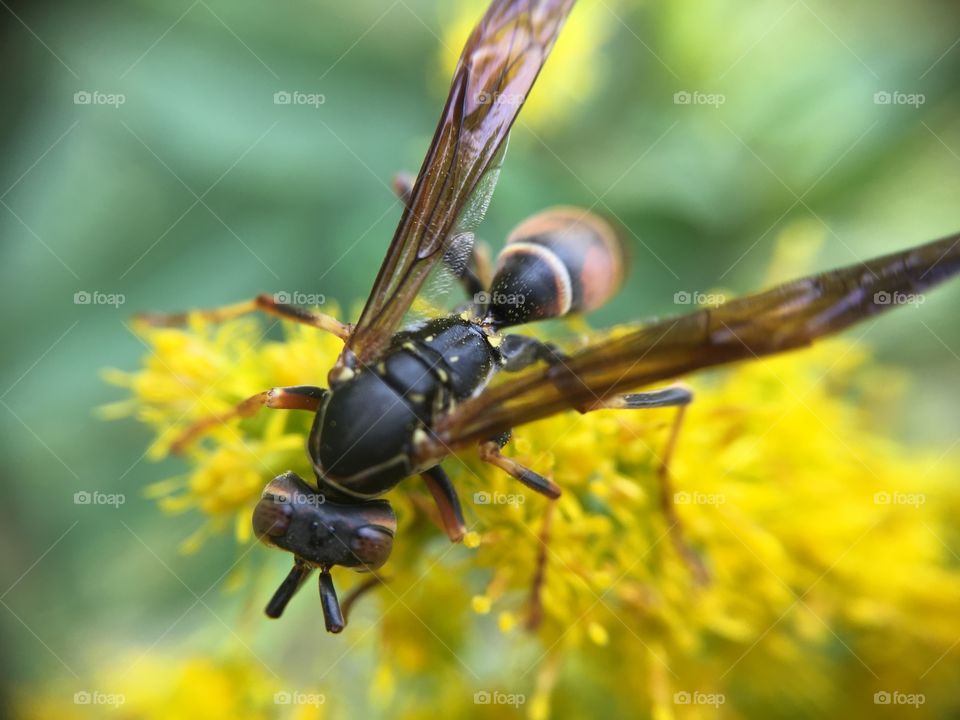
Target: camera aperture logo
x,y
96,697
698,498
299,298
685,97
885,697
95,497
95,297
499,299
297,97
96,97
896,97
898,298
495,697
683,297
483,497
685,697
298,498
294,697
500,98
914,500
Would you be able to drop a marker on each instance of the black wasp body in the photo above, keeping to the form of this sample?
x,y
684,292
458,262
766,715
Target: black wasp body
x,y
365,433
400,401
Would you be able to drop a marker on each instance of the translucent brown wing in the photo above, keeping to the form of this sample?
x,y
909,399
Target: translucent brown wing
x,y
783,318
498,67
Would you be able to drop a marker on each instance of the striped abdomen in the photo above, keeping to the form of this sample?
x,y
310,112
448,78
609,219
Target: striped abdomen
x,y
560,261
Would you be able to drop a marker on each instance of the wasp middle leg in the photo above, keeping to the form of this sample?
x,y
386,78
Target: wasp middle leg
x,y
490,453
263,303
300,397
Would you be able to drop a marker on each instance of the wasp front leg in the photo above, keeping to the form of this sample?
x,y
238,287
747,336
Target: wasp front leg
x,y
444,495
521,351
269,304
301,397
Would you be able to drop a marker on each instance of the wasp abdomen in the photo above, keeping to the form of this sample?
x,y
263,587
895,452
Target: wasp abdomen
x,y
560,261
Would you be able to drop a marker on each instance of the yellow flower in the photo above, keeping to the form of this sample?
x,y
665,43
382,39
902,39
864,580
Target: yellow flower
x,y
159,687
826,542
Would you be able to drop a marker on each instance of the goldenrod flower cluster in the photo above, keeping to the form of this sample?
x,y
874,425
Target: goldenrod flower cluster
x,y
826,543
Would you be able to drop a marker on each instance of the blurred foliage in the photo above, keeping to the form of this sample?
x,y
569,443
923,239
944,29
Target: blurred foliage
x,y
199,190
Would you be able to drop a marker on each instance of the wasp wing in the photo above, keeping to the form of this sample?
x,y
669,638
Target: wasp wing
x,y
785,317
499,65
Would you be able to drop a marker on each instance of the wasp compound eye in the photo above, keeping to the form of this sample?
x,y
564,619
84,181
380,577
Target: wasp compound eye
x,y
274,511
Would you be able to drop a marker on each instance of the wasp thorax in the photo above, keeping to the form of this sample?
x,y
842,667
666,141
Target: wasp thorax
x,y
293,516
563,260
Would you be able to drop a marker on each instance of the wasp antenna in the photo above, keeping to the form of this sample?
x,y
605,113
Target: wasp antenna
x,y
288,587
332,616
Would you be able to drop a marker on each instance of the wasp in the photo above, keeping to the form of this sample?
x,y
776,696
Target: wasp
x,y
400,399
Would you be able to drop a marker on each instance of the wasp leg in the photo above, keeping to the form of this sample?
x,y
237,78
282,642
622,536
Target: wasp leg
x,y
521,351
332,615
490,453
287,588
447,501
402,186
356,593
678,396
689,555
540,572
264,303
302,397
673,396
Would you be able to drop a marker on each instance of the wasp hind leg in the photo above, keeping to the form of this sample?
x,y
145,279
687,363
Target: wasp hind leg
x,y
678,396
301,397
540,570
264,303
444,495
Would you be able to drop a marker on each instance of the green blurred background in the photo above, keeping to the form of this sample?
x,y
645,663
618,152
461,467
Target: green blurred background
x,y
198,190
